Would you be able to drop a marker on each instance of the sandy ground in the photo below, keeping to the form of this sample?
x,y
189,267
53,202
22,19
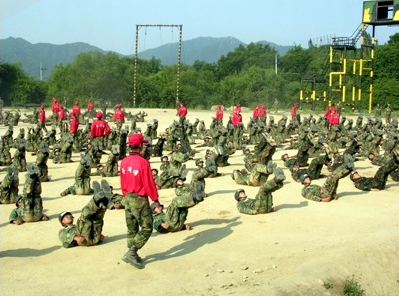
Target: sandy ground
x,y
300,249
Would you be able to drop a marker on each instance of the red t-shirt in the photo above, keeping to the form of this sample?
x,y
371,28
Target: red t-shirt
x,y
219,114
42,116
99,128
136,177
74,125
119,115
182,111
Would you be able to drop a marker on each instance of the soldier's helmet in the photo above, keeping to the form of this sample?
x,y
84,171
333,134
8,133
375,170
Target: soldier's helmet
x,y
237,194
62,215
198,161
351,176
303,177
176,180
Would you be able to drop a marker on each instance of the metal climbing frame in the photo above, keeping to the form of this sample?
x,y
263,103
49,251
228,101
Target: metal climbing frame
x,y
180,27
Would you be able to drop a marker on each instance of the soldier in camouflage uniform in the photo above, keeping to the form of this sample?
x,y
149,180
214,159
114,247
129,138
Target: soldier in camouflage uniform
x,y
318,193
20,153
200,173
175,216
66,149
9,186
82,178
5,155
265,149
378,182
288,160
378,160
32,204
314,170
111,168
42,156
89,226
263,202
304,144
257,175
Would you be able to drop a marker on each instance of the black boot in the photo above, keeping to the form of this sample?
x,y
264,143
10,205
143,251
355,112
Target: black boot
x,y
133,258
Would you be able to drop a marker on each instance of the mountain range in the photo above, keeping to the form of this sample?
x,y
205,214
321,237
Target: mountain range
x,y
38,60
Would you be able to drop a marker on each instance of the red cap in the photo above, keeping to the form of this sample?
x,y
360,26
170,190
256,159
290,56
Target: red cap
x,y
99,114
136,140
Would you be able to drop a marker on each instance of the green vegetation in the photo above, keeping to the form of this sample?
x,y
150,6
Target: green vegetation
x,y
352,288
246,75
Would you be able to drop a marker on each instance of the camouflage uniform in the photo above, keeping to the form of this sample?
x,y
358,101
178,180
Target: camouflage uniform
x,y
41,162
66,150
379,180
5,155
82,178
136,206
176,213
9,186
89,224
256,177
317,193
20,155
263,201
32,204
265,149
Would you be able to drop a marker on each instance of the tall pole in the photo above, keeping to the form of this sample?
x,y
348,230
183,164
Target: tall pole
x,y
275,63
135,67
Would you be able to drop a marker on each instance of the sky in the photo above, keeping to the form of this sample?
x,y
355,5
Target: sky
x,y
111,24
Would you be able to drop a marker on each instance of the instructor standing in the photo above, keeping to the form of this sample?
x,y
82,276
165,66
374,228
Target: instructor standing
x,y
137,184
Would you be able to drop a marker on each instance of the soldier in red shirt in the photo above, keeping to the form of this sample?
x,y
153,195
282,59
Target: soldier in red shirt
x,y
219,116
74,125
99,130
182,113
137,184
90,108
76,109
55,108
42,118
119,117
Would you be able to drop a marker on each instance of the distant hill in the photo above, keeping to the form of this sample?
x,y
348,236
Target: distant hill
x,y
31,55
46,55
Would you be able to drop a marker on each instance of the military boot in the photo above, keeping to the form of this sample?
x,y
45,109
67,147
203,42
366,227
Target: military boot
x,y
133,258
279,175
96,187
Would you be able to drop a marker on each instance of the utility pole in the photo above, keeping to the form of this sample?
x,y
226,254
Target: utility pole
x,y
41,69
275,64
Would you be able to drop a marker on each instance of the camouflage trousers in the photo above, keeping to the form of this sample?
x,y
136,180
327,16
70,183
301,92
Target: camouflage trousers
x,y
329,188
177,211
264,198
315,167
90,223
32,208
81,187
9,191
139,220
256,177
381,176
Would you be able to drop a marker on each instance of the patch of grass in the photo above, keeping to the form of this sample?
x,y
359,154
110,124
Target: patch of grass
x,y
352,288
327,285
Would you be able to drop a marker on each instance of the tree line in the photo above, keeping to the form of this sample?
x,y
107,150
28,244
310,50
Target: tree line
x,y
249,75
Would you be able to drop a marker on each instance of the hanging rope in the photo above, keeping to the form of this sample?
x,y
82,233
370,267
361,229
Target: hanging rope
x,y
145,37
160,34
